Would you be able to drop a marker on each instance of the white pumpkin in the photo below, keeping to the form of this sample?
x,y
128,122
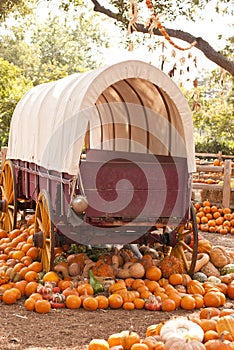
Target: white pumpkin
x,y
181,328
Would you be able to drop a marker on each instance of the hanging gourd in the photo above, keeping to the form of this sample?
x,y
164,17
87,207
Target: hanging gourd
x,y
154,23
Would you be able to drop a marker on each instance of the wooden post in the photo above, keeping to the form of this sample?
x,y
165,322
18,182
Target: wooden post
x,y
3,155
226,183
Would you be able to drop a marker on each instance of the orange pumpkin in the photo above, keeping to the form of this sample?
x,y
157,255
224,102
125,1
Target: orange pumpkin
x,y
139,346
42,306
230,290
128,305
115,301
168,305
29,304
10,296
98,344
153,273
128,339
50,276
90,303
209,312
73,302
188,302
103,302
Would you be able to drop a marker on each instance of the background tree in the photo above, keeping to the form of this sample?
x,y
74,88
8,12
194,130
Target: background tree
x,y
12,86
34,52
18,7
51,49
72,39
212,105
170,10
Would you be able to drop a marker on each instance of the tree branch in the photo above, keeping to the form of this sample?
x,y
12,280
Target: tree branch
x,y
201,45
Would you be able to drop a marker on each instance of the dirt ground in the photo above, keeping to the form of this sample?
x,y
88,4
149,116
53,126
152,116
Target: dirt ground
x,y
73,329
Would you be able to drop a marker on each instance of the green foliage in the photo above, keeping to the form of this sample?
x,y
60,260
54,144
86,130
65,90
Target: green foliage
x,y
51,49
214,118
12,87
35,51
16,7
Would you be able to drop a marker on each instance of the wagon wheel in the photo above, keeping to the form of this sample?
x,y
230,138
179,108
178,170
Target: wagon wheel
x,y
44,236
181,246
8,193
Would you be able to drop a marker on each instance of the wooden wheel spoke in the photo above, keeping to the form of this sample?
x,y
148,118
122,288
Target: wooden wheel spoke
x,y
11,197
40,225
8,192
186,246
44,219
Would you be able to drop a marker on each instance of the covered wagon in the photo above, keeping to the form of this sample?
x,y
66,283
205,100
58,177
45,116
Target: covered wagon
x,y
105,156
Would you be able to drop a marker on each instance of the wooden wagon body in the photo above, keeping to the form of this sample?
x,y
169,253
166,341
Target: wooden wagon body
x,y
107,154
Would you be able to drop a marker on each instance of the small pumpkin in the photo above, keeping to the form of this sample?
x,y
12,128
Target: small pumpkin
x,y
226,324
139,346
195,287
129,338
98,344
42,306
204,246
73,302
151,342
154,329
115,301
217,344
153,273
90,303
130,269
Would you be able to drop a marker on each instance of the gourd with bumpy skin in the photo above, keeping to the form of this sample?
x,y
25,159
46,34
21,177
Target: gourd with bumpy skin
x,y
199,276
181,328
219,257
229,268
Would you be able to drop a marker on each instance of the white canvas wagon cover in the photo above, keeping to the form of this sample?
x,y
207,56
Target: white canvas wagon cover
x,y
129,106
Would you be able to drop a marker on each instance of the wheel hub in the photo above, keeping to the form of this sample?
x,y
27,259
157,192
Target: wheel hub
x,y
3,205
38,239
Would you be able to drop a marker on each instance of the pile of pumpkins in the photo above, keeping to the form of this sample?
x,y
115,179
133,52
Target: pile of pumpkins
x,y
212,329
211,218
141,285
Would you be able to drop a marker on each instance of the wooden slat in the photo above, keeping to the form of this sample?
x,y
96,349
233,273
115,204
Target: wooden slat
x,y
226,183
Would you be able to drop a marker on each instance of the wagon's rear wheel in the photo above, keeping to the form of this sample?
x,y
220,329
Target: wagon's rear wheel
x,y
44,236
182,247
8,195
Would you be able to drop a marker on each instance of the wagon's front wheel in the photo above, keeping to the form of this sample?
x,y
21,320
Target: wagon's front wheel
x,y
8,196
44,236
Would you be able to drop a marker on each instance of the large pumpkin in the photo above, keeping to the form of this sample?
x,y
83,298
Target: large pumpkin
x,y
183,344
181,328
